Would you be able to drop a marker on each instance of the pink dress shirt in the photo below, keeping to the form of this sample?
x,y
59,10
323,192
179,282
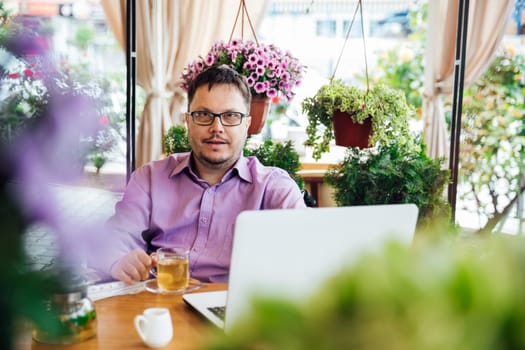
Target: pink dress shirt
x,y
169,201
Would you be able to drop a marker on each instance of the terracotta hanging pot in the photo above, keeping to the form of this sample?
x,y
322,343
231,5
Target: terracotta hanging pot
x,y
259,112
348,133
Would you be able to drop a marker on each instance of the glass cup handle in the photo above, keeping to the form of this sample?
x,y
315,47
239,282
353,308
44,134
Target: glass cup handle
x,y
154,259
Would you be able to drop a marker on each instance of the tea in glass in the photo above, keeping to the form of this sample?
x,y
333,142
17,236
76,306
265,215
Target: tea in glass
x,y
173,273
173,268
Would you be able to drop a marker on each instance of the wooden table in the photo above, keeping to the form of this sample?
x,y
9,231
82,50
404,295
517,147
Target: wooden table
x,y
116,329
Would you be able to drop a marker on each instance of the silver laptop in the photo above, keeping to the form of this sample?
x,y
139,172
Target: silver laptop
x,y
290,253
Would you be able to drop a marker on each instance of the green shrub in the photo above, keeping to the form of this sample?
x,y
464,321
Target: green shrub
x,y
278,154
439,296
389,175
176,140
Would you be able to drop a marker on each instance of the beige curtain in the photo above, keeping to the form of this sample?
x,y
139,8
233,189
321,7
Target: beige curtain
x,y
115,11
170,34
487,23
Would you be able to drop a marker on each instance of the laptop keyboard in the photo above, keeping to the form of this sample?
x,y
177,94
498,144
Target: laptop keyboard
x,y
218,311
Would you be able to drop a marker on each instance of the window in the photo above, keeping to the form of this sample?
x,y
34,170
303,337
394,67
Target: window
x,y
326,28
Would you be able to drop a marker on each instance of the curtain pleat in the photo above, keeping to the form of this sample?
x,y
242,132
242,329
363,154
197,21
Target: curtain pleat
x,y
487,23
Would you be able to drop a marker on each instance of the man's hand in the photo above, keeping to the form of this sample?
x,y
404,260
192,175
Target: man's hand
x,y
133,267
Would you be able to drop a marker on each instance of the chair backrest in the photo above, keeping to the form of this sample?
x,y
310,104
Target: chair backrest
x,y
308,199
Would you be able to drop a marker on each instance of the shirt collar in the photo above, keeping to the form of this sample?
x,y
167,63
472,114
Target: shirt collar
x,y
183,164
241,168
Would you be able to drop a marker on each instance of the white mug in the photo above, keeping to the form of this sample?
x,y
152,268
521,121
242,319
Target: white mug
x,y
154,327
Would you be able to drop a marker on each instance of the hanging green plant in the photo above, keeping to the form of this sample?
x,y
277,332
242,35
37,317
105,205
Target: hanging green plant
x,y
386,108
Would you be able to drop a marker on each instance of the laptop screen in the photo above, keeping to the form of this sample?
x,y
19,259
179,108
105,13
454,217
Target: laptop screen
x,y
290,253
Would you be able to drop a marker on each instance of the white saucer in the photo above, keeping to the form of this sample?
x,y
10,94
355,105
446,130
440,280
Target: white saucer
x,y
151,286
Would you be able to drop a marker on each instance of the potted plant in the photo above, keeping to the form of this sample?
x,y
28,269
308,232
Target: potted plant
x,y
382,110
392,174
279,154
269,72
176,140
282,155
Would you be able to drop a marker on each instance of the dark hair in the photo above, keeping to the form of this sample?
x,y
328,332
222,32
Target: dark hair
x,y
220,75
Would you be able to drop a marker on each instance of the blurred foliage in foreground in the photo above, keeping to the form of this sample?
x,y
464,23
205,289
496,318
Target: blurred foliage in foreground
x,y
465,295
43,148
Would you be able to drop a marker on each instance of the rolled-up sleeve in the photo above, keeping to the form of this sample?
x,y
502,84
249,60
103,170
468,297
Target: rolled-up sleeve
x,y
282,192
123,230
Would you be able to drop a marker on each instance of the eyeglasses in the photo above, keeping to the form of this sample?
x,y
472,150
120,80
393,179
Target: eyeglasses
x,y
227,118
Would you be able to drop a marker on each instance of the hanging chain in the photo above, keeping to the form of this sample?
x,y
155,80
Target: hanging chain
x,y
364,45
242,6
235,23
359,7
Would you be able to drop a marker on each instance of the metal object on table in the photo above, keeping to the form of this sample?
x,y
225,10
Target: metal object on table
x,y
73,314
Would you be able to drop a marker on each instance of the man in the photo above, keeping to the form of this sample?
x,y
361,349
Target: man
x,y
192,199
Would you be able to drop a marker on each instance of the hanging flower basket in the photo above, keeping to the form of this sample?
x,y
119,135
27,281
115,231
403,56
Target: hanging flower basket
x,y
269,71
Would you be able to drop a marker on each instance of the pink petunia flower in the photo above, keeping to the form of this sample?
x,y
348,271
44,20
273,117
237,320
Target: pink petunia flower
x,y
262,65
259,87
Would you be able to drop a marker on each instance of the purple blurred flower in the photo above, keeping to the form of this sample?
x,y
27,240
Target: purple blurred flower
x,y
48,150
24,39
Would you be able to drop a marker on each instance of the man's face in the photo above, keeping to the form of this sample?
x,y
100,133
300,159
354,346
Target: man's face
x,y
217,146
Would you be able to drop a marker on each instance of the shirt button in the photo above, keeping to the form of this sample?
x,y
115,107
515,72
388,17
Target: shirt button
x,y
204,220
